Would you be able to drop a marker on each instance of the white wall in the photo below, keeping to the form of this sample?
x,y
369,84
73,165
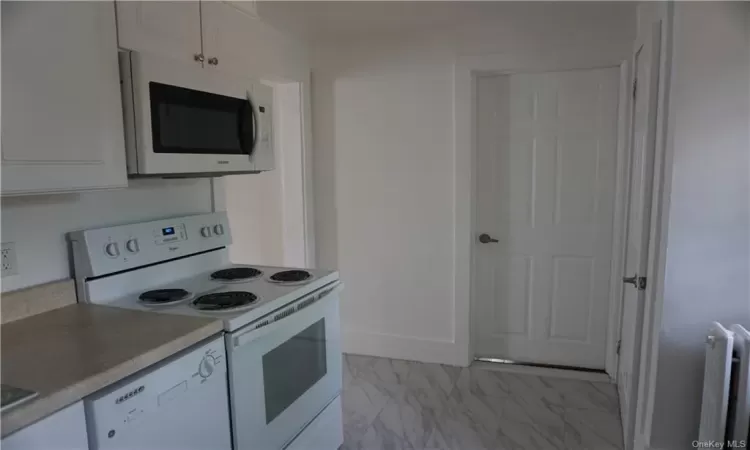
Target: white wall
x,y
253,205
384,163
708,243
37,224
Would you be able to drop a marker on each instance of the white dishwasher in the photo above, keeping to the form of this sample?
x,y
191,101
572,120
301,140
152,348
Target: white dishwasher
x,y
181,403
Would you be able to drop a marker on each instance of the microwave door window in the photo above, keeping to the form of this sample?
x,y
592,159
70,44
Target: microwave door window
x,y
188,121
293,367
187,128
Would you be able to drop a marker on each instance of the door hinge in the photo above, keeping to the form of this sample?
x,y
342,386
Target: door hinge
x,y
635,87
619,343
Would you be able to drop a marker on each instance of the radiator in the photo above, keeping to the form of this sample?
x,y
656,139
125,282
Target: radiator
x,y
739,411
725,409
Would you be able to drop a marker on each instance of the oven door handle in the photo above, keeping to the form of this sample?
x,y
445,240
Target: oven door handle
x,y
275,319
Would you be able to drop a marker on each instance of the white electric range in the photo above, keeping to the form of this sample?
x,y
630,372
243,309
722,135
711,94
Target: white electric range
x,y
282,325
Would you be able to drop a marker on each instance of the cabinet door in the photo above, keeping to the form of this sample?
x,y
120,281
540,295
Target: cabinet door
x,y
229,39
64,430
170,29
240,43
62,126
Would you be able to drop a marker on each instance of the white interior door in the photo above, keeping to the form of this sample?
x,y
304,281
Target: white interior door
x,y
545,186
646,71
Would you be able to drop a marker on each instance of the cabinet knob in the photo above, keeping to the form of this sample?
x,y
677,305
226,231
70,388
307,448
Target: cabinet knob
x,y
199,57
214,61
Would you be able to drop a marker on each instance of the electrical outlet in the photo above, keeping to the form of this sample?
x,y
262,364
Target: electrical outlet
x,y
8,255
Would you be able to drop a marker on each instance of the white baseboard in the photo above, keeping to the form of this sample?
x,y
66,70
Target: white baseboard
x,y
544,371
402,347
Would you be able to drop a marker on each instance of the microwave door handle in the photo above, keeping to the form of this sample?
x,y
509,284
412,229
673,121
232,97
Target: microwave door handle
x,y
242,127
248,336
253,126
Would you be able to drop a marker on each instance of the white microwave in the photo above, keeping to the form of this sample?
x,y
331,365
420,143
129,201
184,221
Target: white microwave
x,y
185,121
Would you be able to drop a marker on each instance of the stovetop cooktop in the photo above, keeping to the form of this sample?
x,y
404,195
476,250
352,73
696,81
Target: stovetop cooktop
x,y
236,274
164,296
295,276
224,301
236,303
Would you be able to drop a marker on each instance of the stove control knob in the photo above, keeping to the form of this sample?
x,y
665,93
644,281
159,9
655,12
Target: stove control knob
x,y
207,365
219,229
132,246
112,250
206,232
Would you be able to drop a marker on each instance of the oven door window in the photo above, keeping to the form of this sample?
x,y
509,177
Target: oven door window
x,y
293,367
189,121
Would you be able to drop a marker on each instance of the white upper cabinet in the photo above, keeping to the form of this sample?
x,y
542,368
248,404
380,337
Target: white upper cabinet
x,y
171,29
227,38
62,126
222,36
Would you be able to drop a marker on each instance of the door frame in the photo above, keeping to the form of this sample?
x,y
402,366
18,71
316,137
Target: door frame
x,y
466,69
639,353
654,295
620,220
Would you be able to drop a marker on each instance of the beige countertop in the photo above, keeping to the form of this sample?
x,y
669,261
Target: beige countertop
x,y
70,352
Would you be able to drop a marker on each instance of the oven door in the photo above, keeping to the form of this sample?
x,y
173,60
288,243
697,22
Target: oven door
x,y
285,372
187,119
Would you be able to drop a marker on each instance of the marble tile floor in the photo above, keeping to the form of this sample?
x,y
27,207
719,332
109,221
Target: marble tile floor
x,y
403,405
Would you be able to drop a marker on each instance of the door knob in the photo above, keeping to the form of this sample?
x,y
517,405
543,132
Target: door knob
x,y
637,282
199,57
485,238
213,61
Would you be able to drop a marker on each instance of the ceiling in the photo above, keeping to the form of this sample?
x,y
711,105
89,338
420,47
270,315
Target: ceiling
x,y
331,20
